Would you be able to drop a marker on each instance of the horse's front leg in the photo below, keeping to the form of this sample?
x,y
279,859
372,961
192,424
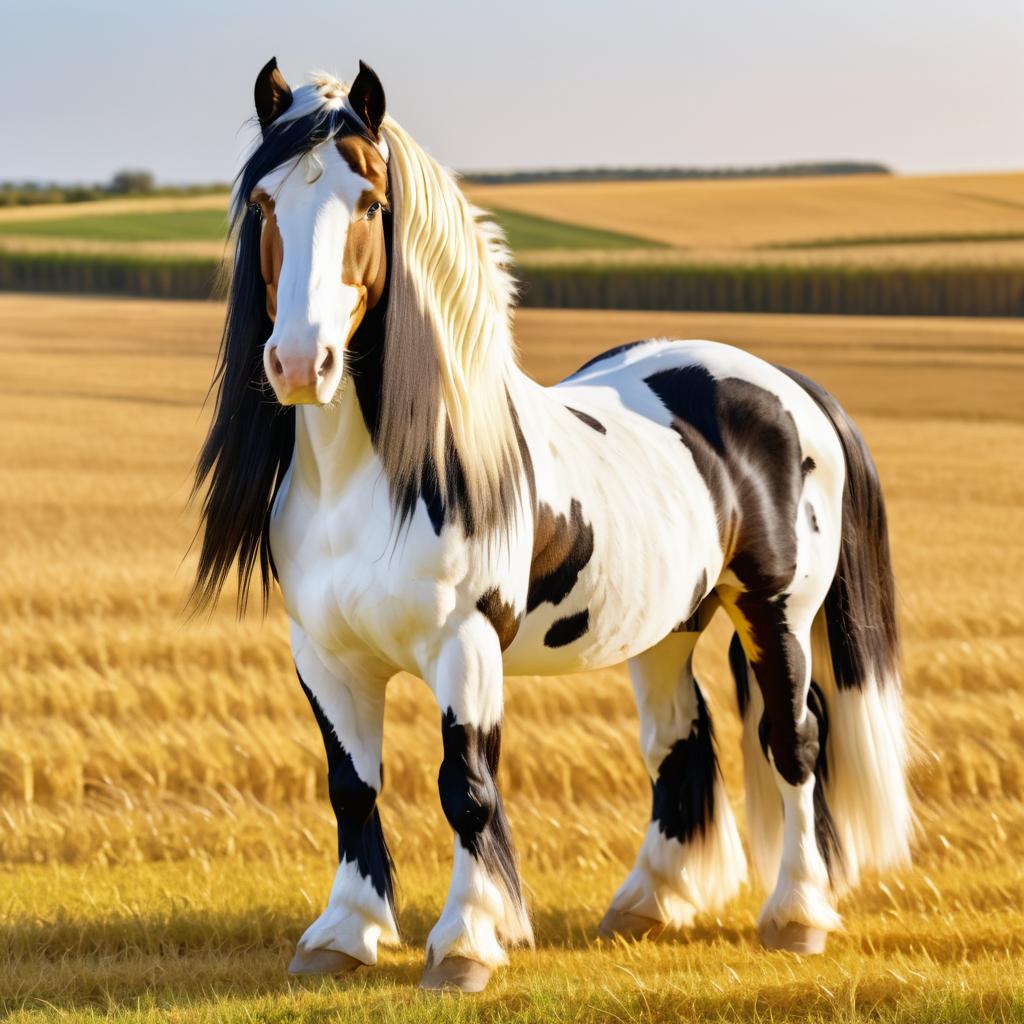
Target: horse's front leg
x,y
485,902
348,702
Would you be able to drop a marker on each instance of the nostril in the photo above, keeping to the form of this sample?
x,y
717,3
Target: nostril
x,y
327,364
275,363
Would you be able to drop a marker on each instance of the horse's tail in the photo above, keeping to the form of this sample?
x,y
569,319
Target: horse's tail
x,y
855,654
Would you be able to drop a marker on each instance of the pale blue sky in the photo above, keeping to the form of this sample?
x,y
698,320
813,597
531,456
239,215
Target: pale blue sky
x,y
926,85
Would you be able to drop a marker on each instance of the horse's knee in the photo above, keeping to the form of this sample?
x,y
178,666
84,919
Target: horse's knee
x,y
793,745
353,799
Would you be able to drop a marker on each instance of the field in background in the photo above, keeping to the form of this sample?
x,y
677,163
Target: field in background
x,y
164,829
780,211
852,245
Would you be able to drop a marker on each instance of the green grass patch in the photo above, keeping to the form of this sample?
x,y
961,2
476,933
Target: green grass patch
x,y
524,231
183,226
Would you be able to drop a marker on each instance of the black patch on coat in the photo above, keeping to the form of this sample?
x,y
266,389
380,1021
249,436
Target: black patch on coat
x,y
808,466
564,631
740,673
610,353
746,443
501,615
824,825
747,448
683,800
360,835
811,517
471,801
860,608
561,549
690,394
588,419
781,671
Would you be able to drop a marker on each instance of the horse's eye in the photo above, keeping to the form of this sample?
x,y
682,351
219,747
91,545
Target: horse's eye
x,y
373,211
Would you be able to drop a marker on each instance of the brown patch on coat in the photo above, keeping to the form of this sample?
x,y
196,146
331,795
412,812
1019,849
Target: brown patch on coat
x,y
501,615
271,250
365,261
562,546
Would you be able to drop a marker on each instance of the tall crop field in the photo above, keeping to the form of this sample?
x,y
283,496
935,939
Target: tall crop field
x,y
164,829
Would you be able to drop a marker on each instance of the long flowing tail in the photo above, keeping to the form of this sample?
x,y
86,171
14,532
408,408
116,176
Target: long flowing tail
x,y
855,654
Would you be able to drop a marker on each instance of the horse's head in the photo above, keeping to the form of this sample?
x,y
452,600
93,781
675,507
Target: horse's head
x,y
322,248
338,213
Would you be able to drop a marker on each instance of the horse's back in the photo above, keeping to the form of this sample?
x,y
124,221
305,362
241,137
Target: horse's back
x,y
699,388
656,373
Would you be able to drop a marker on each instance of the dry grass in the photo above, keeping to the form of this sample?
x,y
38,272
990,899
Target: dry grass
x,y
107,247
164,831
751,212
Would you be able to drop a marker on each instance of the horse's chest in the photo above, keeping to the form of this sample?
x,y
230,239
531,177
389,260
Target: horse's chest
x,y
343,580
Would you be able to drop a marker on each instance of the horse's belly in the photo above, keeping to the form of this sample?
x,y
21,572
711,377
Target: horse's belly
x,y
638,586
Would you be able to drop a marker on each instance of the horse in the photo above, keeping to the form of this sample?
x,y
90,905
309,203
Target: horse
x,y
423,505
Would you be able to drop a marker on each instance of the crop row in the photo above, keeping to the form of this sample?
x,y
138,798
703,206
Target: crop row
x,y
752,288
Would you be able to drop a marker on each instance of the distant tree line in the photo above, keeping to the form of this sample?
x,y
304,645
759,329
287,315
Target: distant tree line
x,y
142,183
124,183
801,170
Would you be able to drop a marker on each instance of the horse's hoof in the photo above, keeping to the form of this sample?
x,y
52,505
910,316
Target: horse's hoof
x,y
456,972
323,961
628,925
793,938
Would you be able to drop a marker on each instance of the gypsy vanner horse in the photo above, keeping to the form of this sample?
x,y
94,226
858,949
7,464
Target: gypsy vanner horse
x,y
425,506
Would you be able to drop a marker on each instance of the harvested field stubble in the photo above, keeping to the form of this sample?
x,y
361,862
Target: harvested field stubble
x,y
165,834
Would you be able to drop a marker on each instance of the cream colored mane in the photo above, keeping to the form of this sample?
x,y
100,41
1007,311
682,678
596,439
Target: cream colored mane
x,y
449,357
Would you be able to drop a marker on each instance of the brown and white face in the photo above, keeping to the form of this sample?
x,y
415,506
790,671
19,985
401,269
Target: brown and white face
x,y
322,251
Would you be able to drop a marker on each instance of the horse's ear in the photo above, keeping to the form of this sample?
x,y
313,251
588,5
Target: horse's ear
x,y
367,98
273,95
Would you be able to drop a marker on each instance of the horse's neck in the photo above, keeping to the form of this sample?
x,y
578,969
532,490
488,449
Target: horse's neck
x,y
331,442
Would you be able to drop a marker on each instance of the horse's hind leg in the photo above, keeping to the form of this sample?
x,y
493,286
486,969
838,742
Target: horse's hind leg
x,y
776,638
691,858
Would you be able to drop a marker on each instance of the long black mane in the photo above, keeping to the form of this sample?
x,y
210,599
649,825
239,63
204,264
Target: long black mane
x,y
250,441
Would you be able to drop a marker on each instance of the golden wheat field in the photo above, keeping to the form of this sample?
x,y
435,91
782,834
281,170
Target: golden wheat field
x,y
165,835
749,212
